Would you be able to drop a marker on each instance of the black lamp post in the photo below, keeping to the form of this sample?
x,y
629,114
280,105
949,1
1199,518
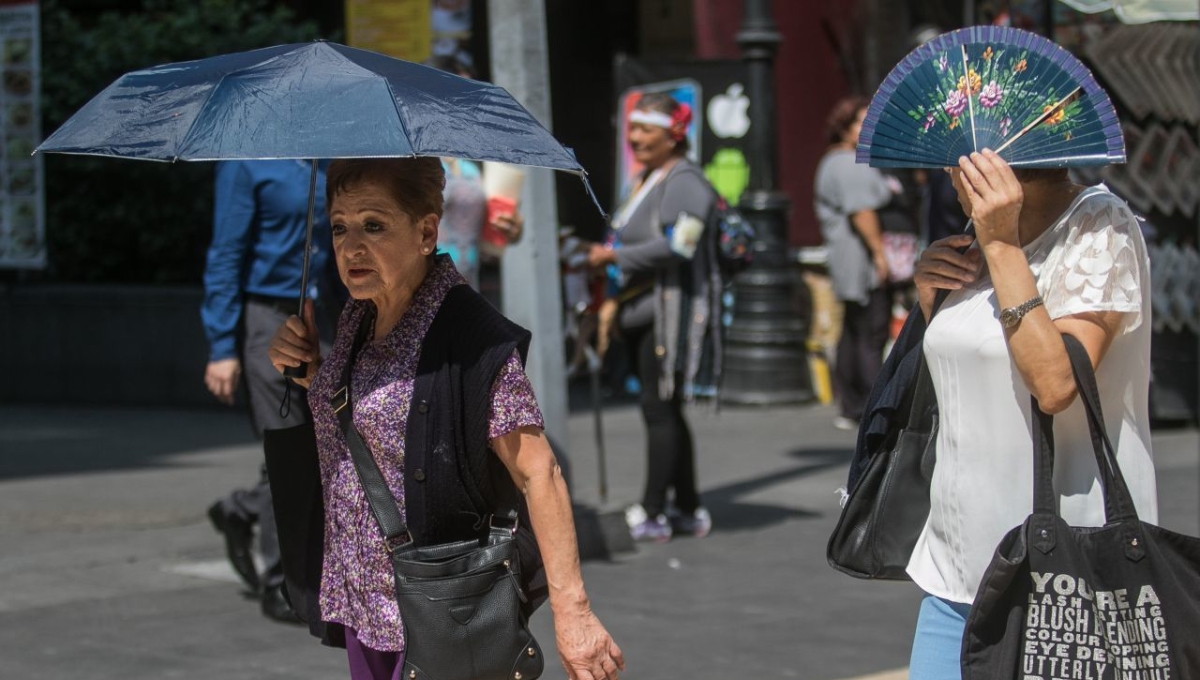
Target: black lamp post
x,y
765,357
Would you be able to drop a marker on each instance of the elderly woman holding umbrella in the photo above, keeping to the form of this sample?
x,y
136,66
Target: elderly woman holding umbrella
x,y
384,215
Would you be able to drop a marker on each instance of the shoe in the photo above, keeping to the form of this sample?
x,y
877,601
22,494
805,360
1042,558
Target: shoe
x,y
698,524
237,533
644,528
844,423
275,606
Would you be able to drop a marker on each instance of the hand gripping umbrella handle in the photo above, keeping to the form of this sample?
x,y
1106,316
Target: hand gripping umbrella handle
x,y
301,371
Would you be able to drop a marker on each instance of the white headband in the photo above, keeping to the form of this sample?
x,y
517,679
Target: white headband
x,y
661,120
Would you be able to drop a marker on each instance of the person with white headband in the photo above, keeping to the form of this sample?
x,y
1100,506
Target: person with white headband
x,y
669,294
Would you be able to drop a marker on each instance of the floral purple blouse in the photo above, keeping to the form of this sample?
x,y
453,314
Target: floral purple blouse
x,y
357,586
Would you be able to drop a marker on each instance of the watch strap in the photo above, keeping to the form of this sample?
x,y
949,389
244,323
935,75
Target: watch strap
x,y
1013,315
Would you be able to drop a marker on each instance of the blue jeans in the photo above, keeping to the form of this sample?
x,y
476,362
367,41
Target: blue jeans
x,y
937,644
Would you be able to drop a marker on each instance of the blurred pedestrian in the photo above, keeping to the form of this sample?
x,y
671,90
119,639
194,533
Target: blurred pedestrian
x,y
848,196
385,215
251,284
665,305
466,206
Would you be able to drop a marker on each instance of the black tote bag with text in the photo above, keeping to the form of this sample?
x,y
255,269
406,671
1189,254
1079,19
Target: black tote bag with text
x,y
1117,602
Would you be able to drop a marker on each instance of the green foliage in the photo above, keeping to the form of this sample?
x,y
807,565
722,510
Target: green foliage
x,y
123,221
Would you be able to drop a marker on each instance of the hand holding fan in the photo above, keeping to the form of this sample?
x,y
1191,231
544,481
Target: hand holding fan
x,y
990,87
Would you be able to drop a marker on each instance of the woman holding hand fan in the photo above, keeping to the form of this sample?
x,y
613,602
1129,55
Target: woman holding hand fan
x,y
1048,257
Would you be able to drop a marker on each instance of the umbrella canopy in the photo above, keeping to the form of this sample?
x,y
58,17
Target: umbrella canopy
x,y
306,101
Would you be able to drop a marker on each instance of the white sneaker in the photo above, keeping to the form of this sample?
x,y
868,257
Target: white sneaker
x,y
697,524
644,528
844,423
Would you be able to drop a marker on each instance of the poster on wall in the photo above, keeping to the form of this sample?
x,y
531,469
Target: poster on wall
x,y
684,91
22,223
413,30
721,119
397,28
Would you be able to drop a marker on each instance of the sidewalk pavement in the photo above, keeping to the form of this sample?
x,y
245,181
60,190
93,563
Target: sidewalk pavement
x,y
112,571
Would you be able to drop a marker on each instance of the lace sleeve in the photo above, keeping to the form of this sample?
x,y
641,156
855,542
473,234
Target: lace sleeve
x,y
1102,266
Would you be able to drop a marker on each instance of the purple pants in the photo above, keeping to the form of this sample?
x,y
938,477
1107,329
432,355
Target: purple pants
x,y
371,664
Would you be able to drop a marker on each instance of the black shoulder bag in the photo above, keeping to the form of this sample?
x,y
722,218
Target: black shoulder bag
x,y
888,500
1112,602
460,601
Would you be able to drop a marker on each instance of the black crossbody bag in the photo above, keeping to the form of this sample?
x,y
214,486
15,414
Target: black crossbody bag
x,y
461,601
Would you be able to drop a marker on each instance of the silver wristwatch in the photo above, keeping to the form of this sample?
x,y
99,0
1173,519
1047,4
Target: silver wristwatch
x,y
1011,316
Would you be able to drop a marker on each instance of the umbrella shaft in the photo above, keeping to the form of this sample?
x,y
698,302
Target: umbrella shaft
x,y
308,235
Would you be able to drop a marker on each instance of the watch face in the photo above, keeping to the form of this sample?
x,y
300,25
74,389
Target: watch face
x,y
1008,317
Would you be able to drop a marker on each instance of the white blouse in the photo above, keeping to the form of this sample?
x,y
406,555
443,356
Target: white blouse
x,y
1092,259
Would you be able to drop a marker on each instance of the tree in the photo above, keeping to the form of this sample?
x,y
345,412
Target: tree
x,y
122,221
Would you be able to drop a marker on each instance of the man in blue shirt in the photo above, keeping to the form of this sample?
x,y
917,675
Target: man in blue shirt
x,y
251,285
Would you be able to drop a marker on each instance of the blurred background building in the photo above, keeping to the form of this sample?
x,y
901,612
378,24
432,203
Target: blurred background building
x,y
87,230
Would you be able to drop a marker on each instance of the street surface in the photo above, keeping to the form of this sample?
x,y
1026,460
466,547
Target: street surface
x,y
112,572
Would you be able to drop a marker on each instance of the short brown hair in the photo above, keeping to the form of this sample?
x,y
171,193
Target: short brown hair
x,y
415,184
842,116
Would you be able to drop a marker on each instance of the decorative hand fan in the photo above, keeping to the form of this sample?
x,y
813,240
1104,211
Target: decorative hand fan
x,y
990,87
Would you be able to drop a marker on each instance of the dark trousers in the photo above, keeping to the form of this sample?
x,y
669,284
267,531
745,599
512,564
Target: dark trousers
x,y
371,664
265,387
860,351
670,455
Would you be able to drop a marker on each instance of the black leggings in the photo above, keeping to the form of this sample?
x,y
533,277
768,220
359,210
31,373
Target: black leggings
x,y
670,456
860,351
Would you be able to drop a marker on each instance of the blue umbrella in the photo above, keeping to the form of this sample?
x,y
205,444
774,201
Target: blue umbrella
x,y
307,101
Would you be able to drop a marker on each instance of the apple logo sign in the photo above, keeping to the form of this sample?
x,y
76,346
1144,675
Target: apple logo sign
x,y
727,113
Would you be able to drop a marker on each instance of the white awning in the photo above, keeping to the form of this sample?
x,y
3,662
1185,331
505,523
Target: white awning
x,y
1141,11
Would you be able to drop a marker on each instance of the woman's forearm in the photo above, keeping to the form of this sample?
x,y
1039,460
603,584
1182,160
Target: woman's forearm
x,y
530,461
645,257
866,223
553,524
1035,343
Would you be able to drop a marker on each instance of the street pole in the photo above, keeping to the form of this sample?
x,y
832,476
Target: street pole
x,y
529,272
765,358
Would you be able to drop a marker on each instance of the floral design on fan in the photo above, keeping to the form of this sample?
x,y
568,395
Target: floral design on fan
x,y
956,103
991,94
1056,117
973,79
1009,85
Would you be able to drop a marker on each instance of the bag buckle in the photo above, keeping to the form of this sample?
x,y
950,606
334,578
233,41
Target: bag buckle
x,y
510,523
340,399
394,544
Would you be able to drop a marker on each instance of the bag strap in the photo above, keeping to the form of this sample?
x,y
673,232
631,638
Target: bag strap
x,y
375,488
1118,503
379,496
661,190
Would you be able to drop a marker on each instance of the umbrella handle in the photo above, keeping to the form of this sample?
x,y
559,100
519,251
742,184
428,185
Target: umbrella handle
x,y
301,371
298,372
